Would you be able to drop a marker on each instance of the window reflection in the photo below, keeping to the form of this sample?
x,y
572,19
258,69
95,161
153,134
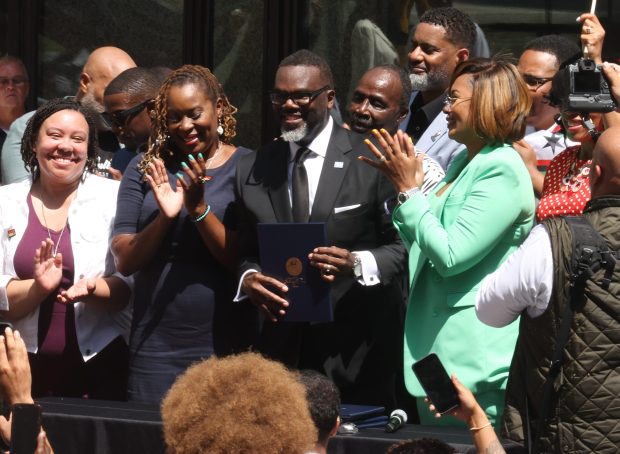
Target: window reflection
x,y
149,30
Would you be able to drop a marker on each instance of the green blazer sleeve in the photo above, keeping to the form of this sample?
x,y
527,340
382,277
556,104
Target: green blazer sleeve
x,y
481,206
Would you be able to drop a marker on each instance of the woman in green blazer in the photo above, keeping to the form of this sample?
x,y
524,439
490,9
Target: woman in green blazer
x,y
480,213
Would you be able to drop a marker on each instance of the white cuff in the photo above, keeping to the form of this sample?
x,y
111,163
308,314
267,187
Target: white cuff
x,y
240,296
370,270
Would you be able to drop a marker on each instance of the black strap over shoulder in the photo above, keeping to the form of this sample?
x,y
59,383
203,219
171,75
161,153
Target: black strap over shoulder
x,y
590,254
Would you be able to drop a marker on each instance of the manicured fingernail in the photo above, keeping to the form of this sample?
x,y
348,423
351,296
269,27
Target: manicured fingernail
x,y
200,156
367,142
191,157
383,131
375,132
185,166
179,175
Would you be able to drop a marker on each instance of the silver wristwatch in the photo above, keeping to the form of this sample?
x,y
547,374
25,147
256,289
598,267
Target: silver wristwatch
x,y
404,196
357,266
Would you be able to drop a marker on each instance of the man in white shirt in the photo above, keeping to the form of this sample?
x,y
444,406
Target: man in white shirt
x,y
535,283
364,263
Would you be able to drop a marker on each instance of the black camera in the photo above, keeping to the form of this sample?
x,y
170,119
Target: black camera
x,y
582,87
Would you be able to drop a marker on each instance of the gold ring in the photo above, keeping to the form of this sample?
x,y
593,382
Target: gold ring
x,y
204,178
587,30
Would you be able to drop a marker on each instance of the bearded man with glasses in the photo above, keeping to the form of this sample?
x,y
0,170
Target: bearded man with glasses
x,y
364,260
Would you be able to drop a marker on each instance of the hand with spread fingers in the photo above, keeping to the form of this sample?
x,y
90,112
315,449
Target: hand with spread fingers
x,y
192,180
397,160
592,36
263,292
169,200
47,267
332,262
78,291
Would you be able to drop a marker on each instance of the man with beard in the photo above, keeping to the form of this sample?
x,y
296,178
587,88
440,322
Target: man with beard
x,y
443,38
312,174
102,65
381,101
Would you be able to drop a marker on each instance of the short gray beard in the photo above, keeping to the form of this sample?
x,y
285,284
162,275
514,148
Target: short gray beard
x,y
294,135
429,81
89,101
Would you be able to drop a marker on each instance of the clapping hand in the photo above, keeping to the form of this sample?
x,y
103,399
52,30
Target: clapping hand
x,y
47,267
398,161
78,291
193,181
169,200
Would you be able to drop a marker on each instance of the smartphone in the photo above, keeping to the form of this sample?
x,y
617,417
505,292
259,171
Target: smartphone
x,y
25,428
436,383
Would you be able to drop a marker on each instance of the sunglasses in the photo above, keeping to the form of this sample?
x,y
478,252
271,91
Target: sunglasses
x,y
121,117
535,82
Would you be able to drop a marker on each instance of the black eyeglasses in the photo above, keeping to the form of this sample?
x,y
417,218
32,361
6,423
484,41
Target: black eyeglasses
x,y
535,82
121,117
301,98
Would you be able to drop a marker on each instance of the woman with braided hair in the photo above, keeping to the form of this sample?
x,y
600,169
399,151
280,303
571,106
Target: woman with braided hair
x,y
175,230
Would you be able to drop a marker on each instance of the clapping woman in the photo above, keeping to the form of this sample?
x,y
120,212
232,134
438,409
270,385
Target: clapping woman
x,y
54,247
466,227
175,230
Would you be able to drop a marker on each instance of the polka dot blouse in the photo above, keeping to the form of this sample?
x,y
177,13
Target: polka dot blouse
x,y
566,188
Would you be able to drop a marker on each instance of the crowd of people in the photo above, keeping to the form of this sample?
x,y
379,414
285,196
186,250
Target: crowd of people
x,y
428,193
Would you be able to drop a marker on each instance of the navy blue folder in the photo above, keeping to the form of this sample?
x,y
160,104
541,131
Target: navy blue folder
x,y
284,249
352,413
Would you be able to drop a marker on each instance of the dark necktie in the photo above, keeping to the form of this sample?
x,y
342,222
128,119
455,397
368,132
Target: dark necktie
x,y
301,195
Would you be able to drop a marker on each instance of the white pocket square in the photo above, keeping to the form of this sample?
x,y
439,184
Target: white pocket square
x,y
347,208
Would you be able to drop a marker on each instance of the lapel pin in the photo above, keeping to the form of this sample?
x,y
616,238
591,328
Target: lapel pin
x,y
436,136
11,232
338,165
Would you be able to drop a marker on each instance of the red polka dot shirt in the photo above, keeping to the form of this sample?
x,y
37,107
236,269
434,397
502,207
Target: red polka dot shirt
x,y
566,188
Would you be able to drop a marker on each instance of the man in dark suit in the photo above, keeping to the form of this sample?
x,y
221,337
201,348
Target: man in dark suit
x,y
361,349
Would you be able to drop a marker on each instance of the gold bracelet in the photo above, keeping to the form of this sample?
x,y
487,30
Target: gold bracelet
x,y
476,429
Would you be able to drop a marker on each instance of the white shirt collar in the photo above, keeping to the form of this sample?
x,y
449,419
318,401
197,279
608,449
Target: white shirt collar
x,y
320,142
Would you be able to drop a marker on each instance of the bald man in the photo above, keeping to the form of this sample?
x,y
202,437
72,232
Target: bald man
x,y
102,65
532,283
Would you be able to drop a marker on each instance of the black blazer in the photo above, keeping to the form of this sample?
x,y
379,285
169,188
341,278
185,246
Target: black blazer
x,y
345,181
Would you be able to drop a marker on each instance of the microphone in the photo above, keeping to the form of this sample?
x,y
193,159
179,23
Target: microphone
x,y
398,418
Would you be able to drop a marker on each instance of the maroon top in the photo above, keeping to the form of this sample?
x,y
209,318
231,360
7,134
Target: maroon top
x,y
56,320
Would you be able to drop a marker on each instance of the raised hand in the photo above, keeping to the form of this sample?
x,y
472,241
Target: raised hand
x,y
78,291
398,161
169,200
47,268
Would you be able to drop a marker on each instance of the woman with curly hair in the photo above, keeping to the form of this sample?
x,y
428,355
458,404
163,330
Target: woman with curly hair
x,y
61,219
175,230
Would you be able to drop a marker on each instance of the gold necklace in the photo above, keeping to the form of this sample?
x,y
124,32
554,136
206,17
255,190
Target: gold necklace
x,y
210,161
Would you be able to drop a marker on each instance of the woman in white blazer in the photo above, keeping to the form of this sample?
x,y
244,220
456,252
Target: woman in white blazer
x,y
56,283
